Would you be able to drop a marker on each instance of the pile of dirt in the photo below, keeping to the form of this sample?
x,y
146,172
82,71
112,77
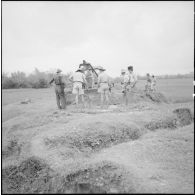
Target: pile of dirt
x,y
96,137
34,176
117,98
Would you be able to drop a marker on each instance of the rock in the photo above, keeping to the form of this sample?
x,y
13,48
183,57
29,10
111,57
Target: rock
x,y
26,101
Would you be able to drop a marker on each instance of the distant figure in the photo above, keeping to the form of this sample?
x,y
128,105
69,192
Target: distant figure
x,y
148,83
153,83
130,80
59,89
103,85
122,78
79,83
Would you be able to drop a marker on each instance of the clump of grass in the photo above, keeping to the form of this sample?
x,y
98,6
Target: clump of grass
x,y
184,116
97,137
13,147
167,123
26,177
35,176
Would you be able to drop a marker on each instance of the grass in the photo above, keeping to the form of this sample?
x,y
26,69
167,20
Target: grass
x,y
177,90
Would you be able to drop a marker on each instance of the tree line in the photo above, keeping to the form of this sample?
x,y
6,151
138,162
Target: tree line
x,y
38,79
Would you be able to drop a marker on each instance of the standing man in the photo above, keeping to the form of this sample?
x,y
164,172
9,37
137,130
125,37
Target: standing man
x,y
79,83
124,80
59,89
130,80
103,85
153,83
148,86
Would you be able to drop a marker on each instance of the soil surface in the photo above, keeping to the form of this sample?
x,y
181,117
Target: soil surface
x,y
146,147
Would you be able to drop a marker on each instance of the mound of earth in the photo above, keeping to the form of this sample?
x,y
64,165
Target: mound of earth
x,y
181,117
26,177
35,176
117,98
95,136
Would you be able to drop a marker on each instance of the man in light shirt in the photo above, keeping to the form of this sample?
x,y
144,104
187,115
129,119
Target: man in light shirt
x,y
103,85
79,81
130,80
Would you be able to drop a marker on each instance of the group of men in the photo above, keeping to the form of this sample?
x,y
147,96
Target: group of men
x,y
79,80
80,83
128,82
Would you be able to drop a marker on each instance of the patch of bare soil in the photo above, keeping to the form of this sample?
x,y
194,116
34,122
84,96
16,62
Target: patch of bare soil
x,y
34,176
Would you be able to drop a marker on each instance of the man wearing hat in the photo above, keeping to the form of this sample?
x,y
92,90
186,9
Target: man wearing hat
x,y
103,85
79,81
59,89
130,81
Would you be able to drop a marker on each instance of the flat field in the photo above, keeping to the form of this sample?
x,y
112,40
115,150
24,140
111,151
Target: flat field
x,y
146,147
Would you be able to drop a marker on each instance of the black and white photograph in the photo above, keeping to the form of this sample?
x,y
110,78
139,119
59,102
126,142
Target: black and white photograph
x,y
97,97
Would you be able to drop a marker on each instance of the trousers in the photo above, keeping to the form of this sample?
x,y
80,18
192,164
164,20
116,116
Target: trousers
x,y
60,96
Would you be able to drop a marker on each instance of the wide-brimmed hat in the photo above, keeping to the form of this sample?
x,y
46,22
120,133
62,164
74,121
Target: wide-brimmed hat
x,y
58,70
100,68
79,69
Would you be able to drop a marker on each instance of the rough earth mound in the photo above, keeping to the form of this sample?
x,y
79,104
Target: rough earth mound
x,y
34,176
181,117
117,98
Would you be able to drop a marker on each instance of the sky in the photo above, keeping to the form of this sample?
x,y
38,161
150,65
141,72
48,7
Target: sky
x,y
154,37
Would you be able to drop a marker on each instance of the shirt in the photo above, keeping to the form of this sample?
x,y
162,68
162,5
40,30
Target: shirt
x,y
58,77
103,78
78,76
132,77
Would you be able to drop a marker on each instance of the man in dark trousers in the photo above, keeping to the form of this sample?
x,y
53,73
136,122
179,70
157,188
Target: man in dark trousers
x,y
59,89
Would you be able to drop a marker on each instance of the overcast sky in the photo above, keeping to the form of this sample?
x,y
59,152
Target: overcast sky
x,y
154,37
